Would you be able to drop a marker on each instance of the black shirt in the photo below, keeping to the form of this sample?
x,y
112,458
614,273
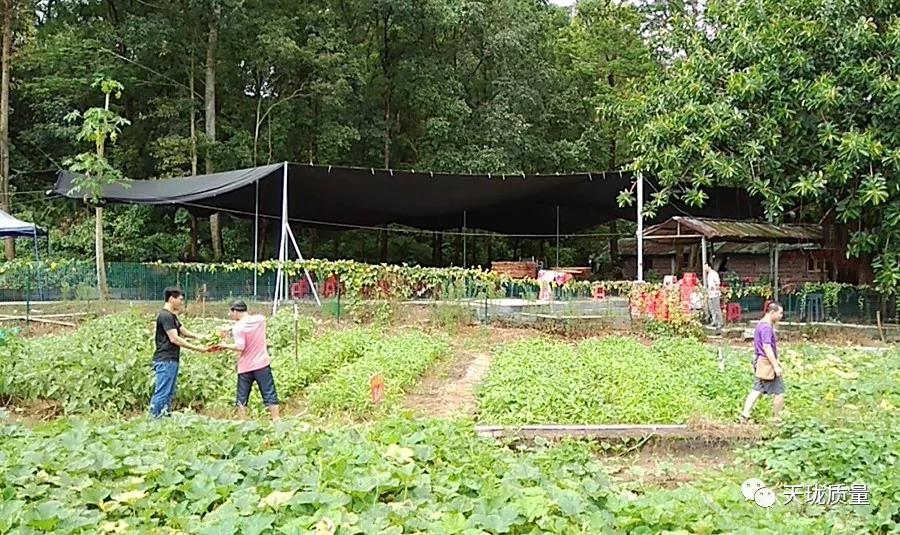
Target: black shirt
x,y
165,349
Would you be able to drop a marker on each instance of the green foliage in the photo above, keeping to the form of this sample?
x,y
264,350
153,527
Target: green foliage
x,y
358,280
322,356
400,360
396,477
514,86
98,125
282,332
106,365
616,380
792,101
855,451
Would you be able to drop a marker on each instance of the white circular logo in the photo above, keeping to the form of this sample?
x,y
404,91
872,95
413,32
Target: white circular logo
x,y
749,488
764,497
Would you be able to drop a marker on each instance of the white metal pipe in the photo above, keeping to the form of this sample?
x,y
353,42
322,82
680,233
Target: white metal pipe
x,y
256,244
312,286
640,227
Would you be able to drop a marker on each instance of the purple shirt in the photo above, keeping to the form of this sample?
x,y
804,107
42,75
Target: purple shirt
x,y
762,335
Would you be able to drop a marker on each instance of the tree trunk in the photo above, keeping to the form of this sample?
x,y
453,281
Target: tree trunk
x,y
102,287
383,246
313,241
98,249
195,235
210,101
5,205
614,243
263,234
437,243
192,255
382,236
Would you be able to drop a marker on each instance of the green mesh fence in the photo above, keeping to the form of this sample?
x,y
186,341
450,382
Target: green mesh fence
x,y
145,282
133,281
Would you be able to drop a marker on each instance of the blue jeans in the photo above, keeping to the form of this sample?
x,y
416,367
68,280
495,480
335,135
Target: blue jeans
x,y
166,377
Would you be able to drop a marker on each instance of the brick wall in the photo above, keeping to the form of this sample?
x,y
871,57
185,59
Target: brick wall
x,y
793,267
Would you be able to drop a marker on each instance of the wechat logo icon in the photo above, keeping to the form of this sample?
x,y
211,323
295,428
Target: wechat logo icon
x,y
755,490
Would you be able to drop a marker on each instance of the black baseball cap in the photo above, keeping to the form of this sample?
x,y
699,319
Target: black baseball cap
x,y
239,306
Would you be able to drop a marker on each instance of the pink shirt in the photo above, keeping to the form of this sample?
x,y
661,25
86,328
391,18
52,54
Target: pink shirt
x,y
250,337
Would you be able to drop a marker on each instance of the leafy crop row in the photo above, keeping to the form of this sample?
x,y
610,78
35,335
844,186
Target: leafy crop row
x,y
197,476
614,380
618,380
106,365
189,475
400,360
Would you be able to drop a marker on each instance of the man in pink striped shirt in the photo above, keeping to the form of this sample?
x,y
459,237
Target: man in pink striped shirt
x,y
253,364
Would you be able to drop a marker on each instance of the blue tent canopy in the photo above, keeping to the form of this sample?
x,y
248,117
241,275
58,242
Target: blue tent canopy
x,y
10,226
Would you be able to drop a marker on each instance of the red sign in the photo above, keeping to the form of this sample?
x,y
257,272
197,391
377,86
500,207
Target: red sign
x,y
376,386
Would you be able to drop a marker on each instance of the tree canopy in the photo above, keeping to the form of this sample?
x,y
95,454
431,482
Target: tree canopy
x,y
445,85
796,101
799,102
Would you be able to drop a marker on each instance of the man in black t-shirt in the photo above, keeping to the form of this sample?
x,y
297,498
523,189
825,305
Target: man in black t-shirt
x,y
170,338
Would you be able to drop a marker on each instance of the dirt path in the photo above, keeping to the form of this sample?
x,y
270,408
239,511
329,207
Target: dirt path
x,y
448,389
438,398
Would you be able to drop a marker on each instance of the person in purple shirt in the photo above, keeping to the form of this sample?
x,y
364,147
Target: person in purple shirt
x,y
765,345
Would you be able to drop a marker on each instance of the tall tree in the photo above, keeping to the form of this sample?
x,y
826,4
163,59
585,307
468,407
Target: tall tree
x,y
210,101
93,169
5,205
795,100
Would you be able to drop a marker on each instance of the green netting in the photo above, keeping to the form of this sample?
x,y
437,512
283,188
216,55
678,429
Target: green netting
x,y
145,282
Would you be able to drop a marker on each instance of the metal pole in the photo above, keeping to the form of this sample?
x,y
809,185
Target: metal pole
x,y
300,256
284,230
256,244
557,235
775,277
640,227
282,248
465,258
703,255
37,263
296,335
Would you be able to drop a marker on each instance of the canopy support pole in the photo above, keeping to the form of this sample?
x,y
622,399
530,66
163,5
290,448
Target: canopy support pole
x,y
557,235
640,227
282,245
312,286
37,262
256,244
282,290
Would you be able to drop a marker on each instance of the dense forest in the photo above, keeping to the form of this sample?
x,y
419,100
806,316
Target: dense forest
x,y
797,101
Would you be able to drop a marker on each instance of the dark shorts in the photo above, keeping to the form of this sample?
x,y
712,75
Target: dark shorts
x,y
774,387
263,379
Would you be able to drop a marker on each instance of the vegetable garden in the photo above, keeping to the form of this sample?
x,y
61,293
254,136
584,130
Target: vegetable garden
x,y
340,463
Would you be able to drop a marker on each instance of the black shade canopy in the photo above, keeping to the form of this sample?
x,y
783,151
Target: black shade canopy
x,y
340,197
12,227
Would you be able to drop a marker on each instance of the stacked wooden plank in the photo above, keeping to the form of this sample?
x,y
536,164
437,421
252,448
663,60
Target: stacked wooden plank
x,y
578,273
516,270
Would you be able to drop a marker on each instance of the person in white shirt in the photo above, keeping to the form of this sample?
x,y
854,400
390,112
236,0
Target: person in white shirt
x,y
714,293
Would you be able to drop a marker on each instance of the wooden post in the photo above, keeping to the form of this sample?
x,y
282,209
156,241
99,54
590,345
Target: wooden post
x,y
296,335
